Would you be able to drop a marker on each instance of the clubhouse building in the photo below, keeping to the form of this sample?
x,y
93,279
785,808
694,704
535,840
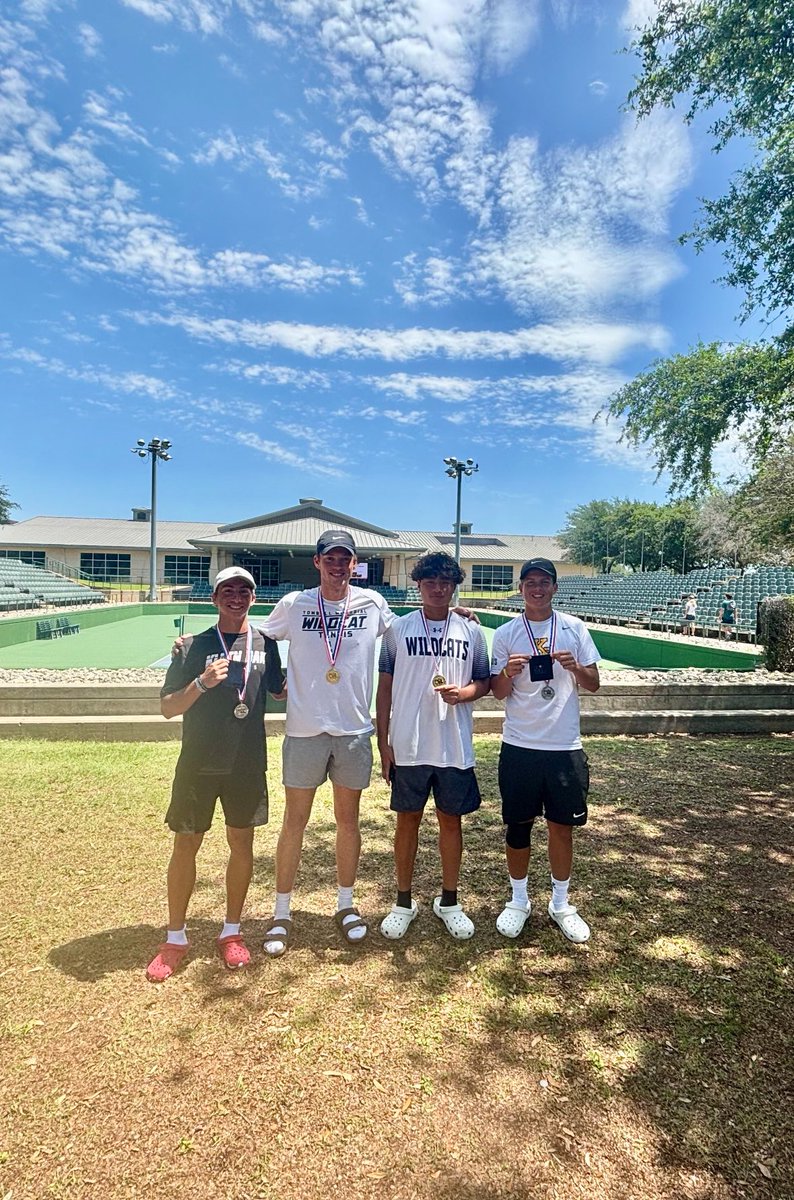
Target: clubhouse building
x,y
276,547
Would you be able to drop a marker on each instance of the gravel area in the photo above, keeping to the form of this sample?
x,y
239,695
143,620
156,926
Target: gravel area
x,y
154,675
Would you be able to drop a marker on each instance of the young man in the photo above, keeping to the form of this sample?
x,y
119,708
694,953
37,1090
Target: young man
x,y
217,682
332,630
728,616
690,615
539,660
433,665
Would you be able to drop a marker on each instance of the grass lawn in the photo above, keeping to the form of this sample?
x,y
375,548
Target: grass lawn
x,y
653,1063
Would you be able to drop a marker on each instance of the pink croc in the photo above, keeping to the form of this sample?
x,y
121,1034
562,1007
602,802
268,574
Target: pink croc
x,y
165,962
234,951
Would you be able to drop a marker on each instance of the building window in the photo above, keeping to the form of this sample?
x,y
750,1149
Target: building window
x,y
266,571
105,566
34,558
186,568
491,578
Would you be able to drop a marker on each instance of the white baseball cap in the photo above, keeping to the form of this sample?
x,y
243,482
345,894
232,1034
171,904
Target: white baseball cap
x,y
233,573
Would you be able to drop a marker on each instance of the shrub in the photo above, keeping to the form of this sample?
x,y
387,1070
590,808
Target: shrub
x,y
776,632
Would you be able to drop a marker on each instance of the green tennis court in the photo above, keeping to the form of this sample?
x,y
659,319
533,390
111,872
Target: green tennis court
x,y
141,636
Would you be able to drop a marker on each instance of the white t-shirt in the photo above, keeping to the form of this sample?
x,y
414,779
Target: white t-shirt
x,y
531,721
313,704
423,728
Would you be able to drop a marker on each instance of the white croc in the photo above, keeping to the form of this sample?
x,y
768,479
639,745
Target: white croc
x,y
513,918
395,924
569,921
455,919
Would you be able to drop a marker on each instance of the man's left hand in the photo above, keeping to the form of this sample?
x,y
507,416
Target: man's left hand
x,y
565,659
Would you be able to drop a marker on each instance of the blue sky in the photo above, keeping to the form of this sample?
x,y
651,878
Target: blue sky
x,y
322,244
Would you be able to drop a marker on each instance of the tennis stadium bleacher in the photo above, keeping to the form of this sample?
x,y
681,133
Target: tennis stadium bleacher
x,y
654,599
24,586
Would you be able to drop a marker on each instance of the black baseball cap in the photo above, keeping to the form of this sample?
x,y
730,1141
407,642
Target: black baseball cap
x,y
538,564
335,539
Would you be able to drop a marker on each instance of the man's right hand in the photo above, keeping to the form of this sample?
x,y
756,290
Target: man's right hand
x,y
177,646
215,673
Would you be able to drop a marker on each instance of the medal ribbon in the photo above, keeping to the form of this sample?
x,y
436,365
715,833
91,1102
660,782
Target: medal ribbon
x,y
247,664
333,654
552,634
437,667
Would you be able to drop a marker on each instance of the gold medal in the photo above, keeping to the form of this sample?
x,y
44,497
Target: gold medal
x,y
439,681
332,675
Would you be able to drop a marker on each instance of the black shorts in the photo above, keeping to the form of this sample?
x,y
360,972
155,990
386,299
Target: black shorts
x,y
548,783
455,789
243,798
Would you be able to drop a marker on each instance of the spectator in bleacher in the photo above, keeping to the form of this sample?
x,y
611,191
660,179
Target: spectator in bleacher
x,y
690,615
433,665
728,617
540,659
217,682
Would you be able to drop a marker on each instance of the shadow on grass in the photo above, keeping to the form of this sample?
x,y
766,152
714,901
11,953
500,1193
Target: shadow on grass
x,y
678,1012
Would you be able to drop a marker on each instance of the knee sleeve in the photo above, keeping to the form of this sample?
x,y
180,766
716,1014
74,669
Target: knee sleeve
x,y
519,835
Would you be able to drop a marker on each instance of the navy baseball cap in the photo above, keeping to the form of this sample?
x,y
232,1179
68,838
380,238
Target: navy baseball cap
x,y
539,564
335,539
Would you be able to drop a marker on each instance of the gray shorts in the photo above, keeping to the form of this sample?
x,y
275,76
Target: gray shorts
x,y
345,759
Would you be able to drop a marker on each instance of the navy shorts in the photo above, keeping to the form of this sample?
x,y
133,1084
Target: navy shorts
x,y
543,783
455,789
193,797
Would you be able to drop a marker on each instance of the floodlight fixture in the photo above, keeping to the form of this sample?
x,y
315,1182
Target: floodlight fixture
x,y
456,469
156,449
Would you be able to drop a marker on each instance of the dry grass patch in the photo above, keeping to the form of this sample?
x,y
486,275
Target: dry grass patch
x,y
652,1063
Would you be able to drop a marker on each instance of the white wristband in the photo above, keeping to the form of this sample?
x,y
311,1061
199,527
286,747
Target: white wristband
x,y
202,687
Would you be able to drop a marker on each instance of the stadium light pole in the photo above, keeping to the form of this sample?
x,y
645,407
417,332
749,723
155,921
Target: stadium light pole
x,y
456,469
642,551
157,448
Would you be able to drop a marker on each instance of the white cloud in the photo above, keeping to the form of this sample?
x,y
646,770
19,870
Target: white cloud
x,y
591,341
272,450
638,13
598,87
298,177
90,40
434,281
201,16
57,197
510,28
580,229
128,383
361,212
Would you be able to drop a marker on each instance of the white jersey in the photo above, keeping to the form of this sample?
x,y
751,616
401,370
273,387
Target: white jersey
x,y
531,721
313,704
423,730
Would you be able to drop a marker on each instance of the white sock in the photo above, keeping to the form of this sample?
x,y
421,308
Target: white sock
x,y
519,887
230,930
280,912
559,893
344,899
176,937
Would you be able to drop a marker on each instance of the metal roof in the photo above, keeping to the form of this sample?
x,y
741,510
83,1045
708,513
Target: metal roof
x,y
500,547
302,534
101,533
298,534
